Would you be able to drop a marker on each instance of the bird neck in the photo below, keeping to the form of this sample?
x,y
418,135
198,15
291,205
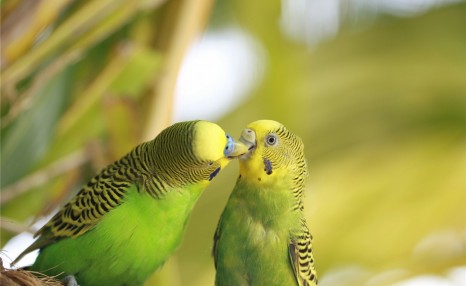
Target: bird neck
x,y
148,167
282,182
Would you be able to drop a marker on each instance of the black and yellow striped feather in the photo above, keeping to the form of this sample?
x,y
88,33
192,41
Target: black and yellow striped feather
x,y
166,163
290,155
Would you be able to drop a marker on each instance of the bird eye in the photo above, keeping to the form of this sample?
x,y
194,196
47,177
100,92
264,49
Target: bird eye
x,y
271,139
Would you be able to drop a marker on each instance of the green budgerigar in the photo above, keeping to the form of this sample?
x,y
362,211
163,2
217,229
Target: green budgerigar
x,y
131,217
262,237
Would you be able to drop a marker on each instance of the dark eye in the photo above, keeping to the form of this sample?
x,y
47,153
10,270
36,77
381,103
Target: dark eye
x,y
271,139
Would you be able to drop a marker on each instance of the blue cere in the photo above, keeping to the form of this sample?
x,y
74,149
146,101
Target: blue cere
x,y
230,146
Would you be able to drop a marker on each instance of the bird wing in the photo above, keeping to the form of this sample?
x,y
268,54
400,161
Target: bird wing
x,y
302,258
103,193
216,240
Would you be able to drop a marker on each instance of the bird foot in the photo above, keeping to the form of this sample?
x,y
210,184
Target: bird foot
x,y
70,280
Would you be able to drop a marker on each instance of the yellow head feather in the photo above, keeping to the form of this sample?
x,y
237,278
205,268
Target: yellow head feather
x,y
275,153
210,141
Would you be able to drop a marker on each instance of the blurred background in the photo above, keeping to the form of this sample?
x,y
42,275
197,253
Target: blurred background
x,y
376,89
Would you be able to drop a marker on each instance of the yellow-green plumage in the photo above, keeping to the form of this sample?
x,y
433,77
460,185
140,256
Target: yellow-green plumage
x,y
262,237
131,217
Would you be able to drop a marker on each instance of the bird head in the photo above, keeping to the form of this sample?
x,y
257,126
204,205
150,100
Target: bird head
x,y
273,151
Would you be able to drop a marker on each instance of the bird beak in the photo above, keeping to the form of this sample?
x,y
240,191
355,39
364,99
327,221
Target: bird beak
x,y
239,149
248,138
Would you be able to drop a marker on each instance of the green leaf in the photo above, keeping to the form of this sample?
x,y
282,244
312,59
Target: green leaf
x,y
28,139
139,71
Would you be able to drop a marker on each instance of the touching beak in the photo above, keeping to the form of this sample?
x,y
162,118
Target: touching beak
x,y
248,138
239,149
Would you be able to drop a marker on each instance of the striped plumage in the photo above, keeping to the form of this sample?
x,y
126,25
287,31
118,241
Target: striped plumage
x,y
262,237
129,218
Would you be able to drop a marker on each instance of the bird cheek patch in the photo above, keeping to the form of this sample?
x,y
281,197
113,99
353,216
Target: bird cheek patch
x,y
214,174
268,166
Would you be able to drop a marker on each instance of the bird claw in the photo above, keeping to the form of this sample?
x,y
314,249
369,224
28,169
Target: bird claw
x,y
70,280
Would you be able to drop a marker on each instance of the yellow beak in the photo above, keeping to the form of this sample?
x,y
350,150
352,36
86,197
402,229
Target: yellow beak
x,y
239,149
248,138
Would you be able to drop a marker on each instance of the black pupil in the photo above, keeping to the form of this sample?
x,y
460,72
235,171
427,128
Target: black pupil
x,y
271,140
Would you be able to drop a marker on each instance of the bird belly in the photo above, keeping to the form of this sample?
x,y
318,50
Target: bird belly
x,y
252,254
128,244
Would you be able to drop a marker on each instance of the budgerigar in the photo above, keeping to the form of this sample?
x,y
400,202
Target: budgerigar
x,y
131,217
262,237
